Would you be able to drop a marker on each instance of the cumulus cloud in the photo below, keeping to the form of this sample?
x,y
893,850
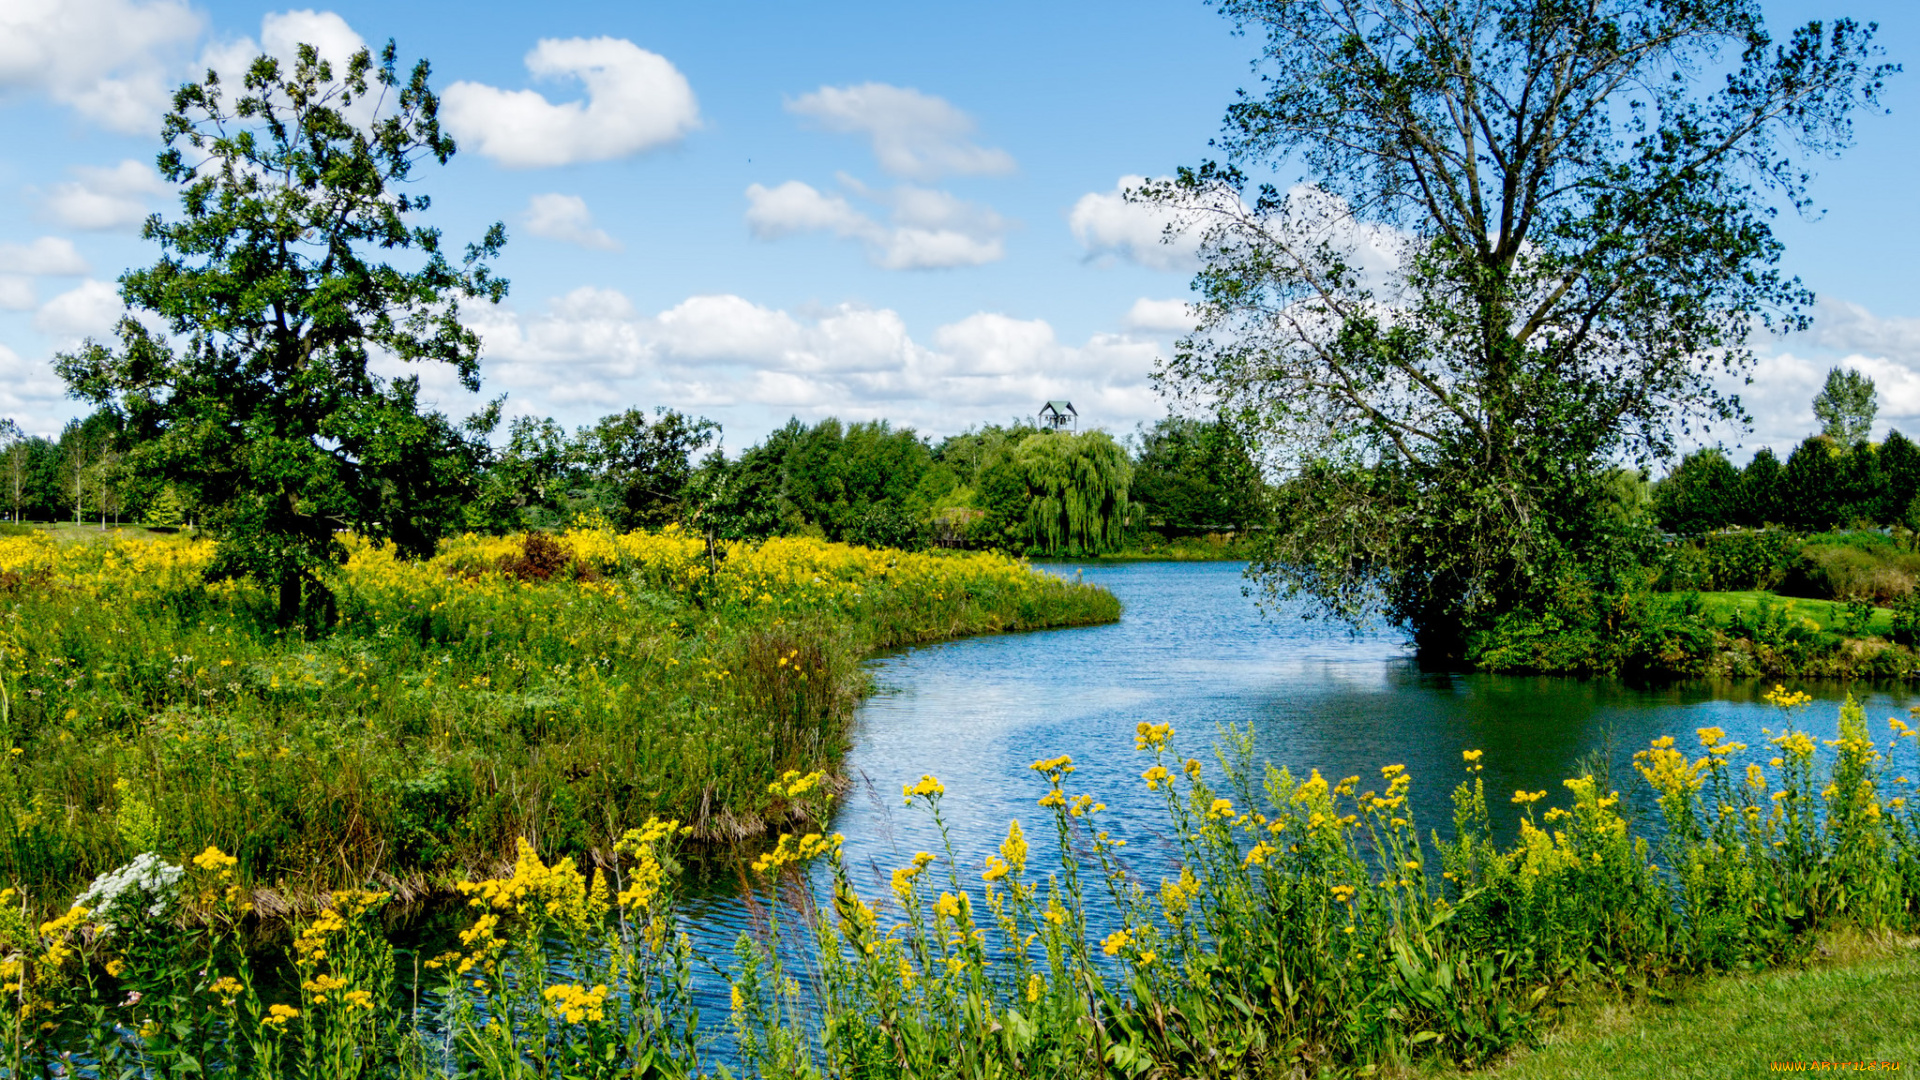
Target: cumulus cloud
x,y
1160,316
795,207
282,33
591,352
31,394
105,197
91,310
926,229
49,256
566,218
913,135
1790,370
1845,327
1110,227
636,100
106,59
17,293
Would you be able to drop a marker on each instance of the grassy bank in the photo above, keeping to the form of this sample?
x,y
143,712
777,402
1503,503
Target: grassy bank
x,y
1732,634
1853,1003
1284,926
1212,547
560,690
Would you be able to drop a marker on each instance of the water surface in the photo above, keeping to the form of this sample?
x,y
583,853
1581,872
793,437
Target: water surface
x,y
1193,651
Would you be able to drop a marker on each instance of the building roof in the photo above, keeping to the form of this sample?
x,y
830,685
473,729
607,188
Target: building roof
x,y
1061,407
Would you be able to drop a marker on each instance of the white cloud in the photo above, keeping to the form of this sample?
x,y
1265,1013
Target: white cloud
x,y
913,135
106,59
590,352
105,197
1844,327
282,33
91,310
1108,226
1790,370
17,293
636,100
1160,316
795,207
49,256
566,218
31,394
929,229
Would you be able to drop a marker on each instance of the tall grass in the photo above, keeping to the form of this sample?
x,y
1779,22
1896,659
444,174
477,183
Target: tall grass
x,y
561,689
1297,926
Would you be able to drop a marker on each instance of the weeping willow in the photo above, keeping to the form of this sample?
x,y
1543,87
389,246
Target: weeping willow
x,y
1076,491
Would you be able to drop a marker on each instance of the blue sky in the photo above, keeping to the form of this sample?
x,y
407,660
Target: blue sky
x,y
764,210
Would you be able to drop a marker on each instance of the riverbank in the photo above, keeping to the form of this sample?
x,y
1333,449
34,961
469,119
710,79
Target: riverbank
x,y
1734,634
1300,925
1851,1004
1212,547
559,689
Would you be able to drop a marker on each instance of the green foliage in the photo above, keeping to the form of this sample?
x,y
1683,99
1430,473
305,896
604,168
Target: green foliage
x,y
559,686
1582,631
261,402
1076,491
1547,308
167,511
1762,490
1849,566
1702,494
1730,561
1899,468
1289,922
1195,477
645,466
1845,406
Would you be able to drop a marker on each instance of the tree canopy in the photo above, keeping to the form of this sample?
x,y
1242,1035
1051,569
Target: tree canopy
x,y
262,396
1527,236
1846,405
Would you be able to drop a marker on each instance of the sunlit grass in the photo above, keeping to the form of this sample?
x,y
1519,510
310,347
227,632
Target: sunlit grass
x,y
1829,614
1853,1006
454,705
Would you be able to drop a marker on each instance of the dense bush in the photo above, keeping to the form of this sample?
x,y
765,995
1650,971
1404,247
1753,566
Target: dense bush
x,y
1852,565
1729,561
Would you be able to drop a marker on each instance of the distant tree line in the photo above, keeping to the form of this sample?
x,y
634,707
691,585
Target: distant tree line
x,y
1014,487
1833,479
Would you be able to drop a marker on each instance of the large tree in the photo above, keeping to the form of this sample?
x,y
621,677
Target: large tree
x,y
1526,236
1845,406
263,398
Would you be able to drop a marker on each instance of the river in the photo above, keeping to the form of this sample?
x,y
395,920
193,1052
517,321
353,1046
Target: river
x,y
1193,651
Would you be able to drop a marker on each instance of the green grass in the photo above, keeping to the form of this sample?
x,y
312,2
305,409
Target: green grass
x,y
1828,613
85,532
1855,1006
453,708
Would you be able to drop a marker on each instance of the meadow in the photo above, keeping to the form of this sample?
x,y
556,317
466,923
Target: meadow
x,y
1290,926
561,689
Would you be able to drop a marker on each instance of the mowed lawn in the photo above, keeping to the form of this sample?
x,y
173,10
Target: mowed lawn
x,y
1856,1005
1828,613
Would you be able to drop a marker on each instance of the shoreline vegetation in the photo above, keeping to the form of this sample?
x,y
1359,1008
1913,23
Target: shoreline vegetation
x,y
1293,925
560,687
1742,603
